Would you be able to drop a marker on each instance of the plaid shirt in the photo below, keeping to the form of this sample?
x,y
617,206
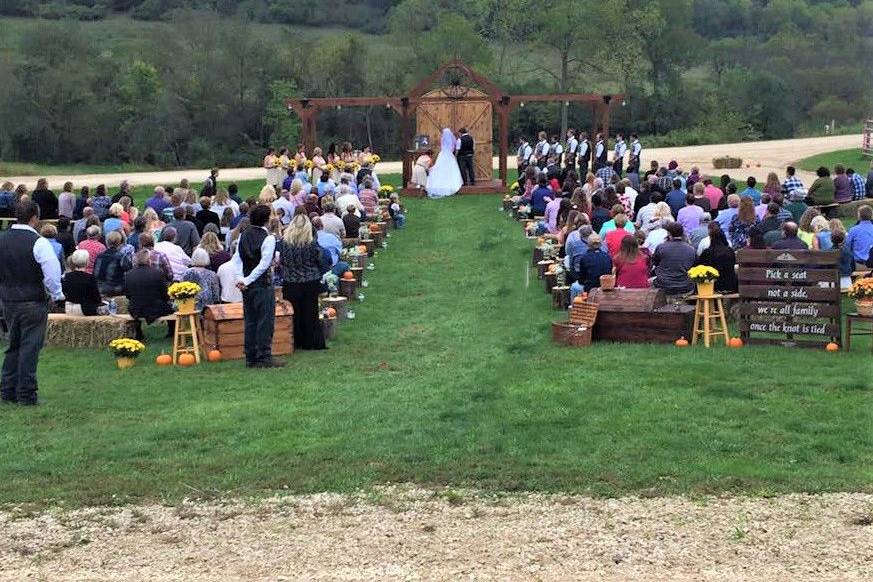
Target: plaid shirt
x,y
791,184
606,173
859,188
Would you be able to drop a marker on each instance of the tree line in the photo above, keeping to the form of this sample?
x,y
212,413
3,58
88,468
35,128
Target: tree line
x,y
205,83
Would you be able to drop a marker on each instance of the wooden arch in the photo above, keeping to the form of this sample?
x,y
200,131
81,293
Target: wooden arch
x,y
502,104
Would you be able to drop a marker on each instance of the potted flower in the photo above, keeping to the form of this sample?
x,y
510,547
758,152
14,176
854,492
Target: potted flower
x,y
386,191
705,277
862,292
185,293
126,351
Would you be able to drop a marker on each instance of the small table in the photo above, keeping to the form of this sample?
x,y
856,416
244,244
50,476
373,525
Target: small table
x,y
709,319
852,318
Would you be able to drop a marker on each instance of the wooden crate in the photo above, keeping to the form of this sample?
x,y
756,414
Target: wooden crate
x,y
224,328
665,324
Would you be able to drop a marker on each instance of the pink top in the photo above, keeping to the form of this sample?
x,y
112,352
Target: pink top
x,y
551,215
369,199
613,239
632,275
714,194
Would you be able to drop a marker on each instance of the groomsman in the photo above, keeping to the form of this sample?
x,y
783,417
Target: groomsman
x,y
556,150
636,149
523,155
541,151
599,152
572,149
584,154
618,154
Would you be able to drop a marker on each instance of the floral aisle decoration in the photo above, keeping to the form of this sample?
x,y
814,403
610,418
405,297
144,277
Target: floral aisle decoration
x,y
185,294
862,292
386,191
704,276
331,280
126,350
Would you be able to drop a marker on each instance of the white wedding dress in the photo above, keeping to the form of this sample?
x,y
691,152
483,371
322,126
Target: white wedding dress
x,y
444,178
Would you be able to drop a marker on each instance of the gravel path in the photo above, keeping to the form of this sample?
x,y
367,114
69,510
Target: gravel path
x,y
772,155
406,533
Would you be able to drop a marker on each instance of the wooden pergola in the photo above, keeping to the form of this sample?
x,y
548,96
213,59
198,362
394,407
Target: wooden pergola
x,y
405,106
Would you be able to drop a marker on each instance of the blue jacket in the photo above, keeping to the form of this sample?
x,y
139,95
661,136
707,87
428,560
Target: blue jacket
x,y
591,266
538,199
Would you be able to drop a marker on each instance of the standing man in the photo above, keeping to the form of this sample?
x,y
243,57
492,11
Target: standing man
x,y
599,152
584,155
618,154
210,186
465,157
572,149
636,151
253,257
523,155
29,270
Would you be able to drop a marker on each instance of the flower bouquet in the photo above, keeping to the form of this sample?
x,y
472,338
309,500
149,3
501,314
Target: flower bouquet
x,y
308,164
374,159
705,277
185,293
332,281
126,351
862,292
386,191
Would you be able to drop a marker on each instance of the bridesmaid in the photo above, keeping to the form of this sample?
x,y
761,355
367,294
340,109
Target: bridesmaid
x,y
284,165
271,163
346,155
365,156
300,156
318,165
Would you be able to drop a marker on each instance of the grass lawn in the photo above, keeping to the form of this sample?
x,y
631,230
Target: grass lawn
x,y
852,158
446,376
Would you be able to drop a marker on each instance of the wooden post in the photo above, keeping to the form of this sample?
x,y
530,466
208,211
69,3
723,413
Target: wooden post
x,y
503,116
406,138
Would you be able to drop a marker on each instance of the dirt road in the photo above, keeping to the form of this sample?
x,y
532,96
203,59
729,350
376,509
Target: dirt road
x,y
411,534
771,155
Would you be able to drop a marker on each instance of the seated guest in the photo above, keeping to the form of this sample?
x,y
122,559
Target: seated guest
x,y
93,245
109,266
179,261
675,198
199,272
369,197
351,220
720,256
822,190
742,223
576,246
303,264
751,191
847,261
157,259
724,217
859,240
701,231
50,233
80,288
821,228
843,191
657,235
611,224
592,264
228,274
113,219
671,261
540,196
65,237
689,216
146,290
206,216
332,223
790,239
187,235
599,214
327,240
312,207
615,236
217,253
631,265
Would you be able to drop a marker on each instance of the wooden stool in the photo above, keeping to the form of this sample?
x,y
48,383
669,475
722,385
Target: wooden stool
x,y
560,297
187,330
852,318
711,311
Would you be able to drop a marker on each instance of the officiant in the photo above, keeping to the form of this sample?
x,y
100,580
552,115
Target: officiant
x,y
465,157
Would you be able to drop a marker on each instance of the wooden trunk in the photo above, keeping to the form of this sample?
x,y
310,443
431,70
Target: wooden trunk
x,y
378,238
551,280
370,244
359,274
329,327
537,256
338,303
350,242
224,329
560,297
349,289
665,324
542,266
360,261
640,300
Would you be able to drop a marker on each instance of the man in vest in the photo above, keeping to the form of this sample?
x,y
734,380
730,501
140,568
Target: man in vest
x,y
618,154
523,155
584,155
636,150
465,157
599,152
572,150
253,257
30,280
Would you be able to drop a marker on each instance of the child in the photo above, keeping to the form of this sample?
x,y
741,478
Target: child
x,y
396,211
847,260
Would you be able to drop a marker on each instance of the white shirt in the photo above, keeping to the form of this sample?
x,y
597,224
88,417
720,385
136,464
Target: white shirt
x,y
268,250
524,152
287,207
219,208
44,254
655,238
334,225
179,261
645,213
620,149
598,149
346,200
572,145
583,148
542,149
631,195
636,148
228,275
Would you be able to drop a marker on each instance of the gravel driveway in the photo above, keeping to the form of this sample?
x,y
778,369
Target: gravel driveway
x,y
406,533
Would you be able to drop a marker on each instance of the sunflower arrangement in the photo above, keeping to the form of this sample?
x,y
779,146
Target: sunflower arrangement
x,y
308,164
184,290
126,347
862,289
702,274
374,159
386,191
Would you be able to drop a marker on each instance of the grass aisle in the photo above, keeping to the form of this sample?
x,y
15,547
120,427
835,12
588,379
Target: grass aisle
x,y
446,376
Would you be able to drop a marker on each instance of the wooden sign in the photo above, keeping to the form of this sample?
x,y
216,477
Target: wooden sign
x,y
789,298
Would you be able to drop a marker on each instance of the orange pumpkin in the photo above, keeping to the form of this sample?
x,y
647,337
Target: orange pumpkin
x,y
349,276
552,268
214,355
832,347
186,360
331,313
164,360
374,227
541,240
362,248
735,342
578,300
682,342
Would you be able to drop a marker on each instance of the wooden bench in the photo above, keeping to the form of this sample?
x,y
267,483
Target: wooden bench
x,y
82,331
828,210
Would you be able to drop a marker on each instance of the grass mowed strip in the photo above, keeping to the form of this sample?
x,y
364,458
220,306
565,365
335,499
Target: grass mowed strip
x,y
851,158
446,376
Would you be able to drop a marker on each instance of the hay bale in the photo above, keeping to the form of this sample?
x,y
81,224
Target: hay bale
x,y
727,162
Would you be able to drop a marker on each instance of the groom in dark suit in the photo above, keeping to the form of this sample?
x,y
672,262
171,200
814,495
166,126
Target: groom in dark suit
x,y
465,157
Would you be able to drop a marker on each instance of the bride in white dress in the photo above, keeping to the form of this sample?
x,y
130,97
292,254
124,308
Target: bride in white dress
x,y
445,175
